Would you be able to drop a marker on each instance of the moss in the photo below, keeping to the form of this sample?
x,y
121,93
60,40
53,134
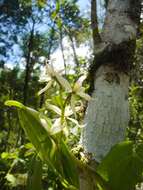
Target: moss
x,y
120,56
112,77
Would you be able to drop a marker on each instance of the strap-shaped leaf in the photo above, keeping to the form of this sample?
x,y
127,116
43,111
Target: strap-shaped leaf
x,y
123,166
70,170
51,149
37,134
34,181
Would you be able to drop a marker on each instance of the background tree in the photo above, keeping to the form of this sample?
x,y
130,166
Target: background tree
x,y
29,34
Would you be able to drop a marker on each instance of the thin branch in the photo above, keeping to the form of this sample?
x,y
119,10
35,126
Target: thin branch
x,y
62,50
94,23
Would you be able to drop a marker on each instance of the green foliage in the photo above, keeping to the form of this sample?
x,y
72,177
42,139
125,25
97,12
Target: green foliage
x,y
49,135
41,3
123,166
49,139
34,181
135,130
51,149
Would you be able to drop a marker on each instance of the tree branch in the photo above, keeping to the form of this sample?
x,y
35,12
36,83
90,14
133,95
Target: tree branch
x,y
94,23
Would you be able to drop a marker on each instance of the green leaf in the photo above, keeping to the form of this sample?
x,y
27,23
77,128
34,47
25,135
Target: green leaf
x,y
70,168
28,146
58,100
123,166
37,134
41,3
50,148
73,105
59,22
14,103
57,6
9,155
54,15
11,179
4,155
34,181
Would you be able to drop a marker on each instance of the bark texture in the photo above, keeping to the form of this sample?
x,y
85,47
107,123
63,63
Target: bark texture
x,y
107,114
94,23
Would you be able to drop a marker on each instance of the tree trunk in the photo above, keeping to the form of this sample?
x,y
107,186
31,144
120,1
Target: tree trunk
x,y
94,23
62,50
29,65
73,48
107,115
108,112
50,45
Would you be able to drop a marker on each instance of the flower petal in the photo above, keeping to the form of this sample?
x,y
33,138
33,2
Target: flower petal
x,y
84,95
78,83
64,83
54,108
57,127
45,88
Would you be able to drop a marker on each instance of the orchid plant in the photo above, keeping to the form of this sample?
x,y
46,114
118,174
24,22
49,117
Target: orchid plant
x,y
49,135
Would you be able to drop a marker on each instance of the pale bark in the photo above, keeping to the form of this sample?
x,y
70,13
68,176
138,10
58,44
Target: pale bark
x,y
119,25
107,115
108,112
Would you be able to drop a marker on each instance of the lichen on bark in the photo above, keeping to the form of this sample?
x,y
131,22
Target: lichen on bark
x,y
107,114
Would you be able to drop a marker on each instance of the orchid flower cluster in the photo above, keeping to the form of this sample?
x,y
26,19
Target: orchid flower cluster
x,y
70,107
